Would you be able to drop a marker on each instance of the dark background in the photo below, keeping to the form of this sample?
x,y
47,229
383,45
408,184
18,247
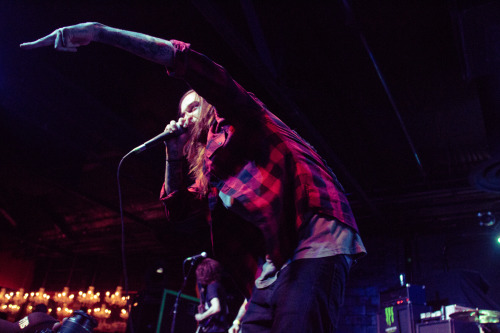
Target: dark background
x,y
400,97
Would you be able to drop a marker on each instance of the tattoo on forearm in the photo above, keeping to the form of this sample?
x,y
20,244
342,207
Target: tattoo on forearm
x,y
151,48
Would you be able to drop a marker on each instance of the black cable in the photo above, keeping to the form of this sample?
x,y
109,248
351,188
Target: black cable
x,y
124,261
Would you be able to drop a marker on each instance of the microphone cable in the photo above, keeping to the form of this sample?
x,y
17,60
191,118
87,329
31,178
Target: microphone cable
x,y
124,259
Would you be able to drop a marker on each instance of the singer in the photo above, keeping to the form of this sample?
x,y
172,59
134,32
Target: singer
x,y
249,168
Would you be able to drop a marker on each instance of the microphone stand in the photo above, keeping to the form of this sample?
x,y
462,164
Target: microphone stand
x,y
172,328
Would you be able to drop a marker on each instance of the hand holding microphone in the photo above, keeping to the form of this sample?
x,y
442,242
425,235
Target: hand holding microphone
x,y
175,147
182,123
175,129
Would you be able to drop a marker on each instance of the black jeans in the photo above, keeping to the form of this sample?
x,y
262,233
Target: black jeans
x,y
306,297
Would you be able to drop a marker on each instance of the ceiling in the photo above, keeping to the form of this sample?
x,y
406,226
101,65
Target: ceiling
x,y
400,97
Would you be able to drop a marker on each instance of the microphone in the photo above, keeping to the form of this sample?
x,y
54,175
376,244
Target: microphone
x,y
198,256
158,139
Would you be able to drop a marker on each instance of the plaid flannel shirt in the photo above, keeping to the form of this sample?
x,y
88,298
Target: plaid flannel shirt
x,y
266,172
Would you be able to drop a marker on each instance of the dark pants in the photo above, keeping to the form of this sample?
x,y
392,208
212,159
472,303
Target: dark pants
x,y
306,297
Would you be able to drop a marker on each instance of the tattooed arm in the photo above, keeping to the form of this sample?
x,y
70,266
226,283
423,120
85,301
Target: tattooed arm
x,y
69,38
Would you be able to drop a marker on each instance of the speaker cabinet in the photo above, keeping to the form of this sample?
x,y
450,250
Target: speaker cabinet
x,y
448,326
399,318
144,316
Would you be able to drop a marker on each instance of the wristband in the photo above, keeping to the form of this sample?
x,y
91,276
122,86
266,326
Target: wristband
x,y
236,322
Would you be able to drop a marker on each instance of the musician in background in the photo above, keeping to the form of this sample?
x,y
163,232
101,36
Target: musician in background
x,y
213,312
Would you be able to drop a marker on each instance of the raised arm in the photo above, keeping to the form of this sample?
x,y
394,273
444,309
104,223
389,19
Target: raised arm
x,y
69,38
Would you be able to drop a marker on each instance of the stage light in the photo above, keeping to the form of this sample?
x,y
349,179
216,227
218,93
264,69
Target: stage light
x,y
102,312
486,219
89,298
402,279
64,298
116,299
39,297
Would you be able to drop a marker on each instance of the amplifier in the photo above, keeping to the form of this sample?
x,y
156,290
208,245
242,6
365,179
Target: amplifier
x,y
399,318
448,326
414,294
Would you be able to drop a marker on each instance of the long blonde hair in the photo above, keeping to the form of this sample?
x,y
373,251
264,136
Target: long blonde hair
x,y
196,145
